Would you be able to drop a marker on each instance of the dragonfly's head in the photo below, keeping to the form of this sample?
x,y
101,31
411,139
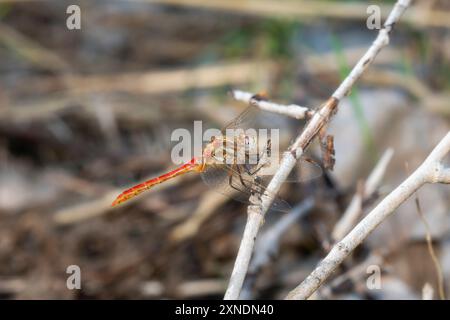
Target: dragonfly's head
x,y
214,149
208,151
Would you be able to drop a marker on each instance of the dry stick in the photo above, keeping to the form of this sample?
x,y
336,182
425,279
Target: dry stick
x,y
30,50
78,89
99,206
353,211
206,207
159,81
431,171
313,9
321,118
268,243
427,292
292,110
434,258
354,273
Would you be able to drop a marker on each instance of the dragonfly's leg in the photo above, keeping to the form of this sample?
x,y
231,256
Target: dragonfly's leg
x,y
247,169
230,182
240,176
258,167
256,170
269,147
257,180
262,156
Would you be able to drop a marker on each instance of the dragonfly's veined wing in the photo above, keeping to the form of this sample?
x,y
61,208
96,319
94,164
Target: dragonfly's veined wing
x,y
240,181
254,118
234,182
306,171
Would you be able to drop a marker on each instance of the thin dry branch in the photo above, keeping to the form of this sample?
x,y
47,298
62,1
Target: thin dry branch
x,y
268,243
207,206
30,50
355,273
77,90
418,16
99,206
431,171
292,110
319,120
157,81
427,292
434,258
351,214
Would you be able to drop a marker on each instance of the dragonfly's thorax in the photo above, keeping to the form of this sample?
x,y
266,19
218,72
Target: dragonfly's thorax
x,y
229,149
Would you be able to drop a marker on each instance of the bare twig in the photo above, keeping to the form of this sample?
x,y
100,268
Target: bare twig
x,y
157,81
268,243
291,110
355,273
313,9
99,206
427,292
12,286
31,50
437,265
431,171
207,206
200,288
319,120
351,214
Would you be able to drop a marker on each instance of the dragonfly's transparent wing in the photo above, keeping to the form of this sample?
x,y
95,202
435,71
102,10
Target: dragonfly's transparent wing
x,y
245,119
238,183
307,170
254,118
234,182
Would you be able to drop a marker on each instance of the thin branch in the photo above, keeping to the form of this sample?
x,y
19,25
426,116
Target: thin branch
x,y
206,207
292,110
351,214
355,273
268,243
99,206
30,50
427,292
426,173
434,258
418,17
319,120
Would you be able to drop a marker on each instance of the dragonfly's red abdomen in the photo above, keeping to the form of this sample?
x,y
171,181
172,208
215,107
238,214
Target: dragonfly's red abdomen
x,y
192,165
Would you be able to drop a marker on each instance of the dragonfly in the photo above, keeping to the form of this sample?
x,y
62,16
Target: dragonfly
x,y
220,169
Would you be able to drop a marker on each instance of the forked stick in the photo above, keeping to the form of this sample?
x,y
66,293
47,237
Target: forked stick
x,y
319,120
431,171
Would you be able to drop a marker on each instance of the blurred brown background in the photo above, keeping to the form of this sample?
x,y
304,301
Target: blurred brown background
x,y
86,113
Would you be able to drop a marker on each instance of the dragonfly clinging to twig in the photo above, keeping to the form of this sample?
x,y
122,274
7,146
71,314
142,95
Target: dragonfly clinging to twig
x,y
220,168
